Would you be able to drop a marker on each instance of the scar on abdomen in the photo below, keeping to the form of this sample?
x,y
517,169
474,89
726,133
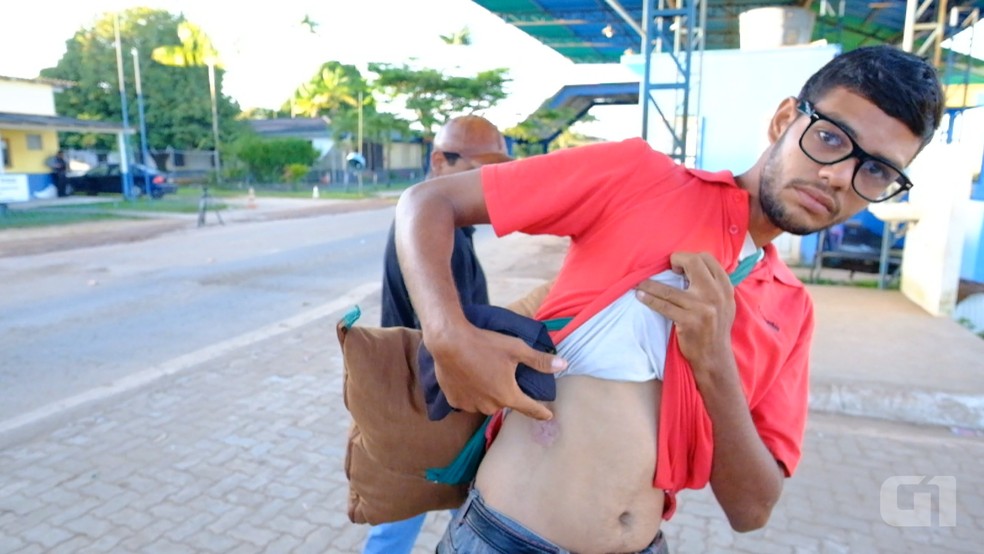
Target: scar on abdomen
x,y
545,433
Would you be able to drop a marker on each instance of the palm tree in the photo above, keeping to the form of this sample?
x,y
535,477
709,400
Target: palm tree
x,y
311,24
334,87
196,50
458,38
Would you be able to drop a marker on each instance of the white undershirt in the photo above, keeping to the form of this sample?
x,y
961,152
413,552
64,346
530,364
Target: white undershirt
x,y
626,341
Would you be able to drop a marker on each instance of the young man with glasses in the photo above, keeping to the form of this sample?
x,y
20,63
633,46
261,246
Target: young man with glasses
x,y
685,362
462,144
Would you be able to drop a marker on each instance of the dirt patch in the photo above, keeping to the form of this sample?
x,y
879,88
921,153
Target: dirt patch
x,y
27,242
41,240
327,209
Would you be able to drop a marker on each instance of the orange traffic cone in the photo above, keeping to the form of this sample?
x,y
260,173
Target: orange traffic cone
x,y
251,199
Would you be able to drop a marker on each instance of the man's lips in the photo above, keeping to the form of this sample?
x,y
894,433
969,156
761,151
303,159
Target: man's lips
x,y
815,201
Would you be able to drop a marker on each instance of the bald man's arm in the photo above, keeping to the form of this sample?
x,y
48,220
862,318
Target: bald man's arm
x,y
426,217
476,368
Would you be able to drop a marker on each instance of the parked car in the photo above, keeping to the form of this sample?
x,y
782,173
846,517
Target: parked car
x,y
107,178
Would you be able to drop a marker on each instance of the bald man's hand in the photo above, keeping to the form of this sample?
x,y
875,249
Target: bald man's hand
x,y
476,369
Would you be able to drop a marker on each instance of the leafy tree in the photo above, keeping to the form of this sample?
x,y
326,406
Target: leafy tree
x,y
196,50
335,92
434,97
176,100
268,160
544,123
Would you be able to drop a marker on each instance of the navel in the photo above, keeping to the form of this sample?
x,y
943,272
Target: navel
x,y
625,519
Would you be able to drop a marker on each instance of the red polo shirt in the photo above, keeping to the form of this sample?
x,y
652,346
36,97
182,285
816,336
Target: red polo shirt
x,y
626,209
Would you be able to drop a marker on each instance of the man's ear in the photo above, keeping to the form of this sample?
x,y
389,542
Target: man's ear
x,y
785,114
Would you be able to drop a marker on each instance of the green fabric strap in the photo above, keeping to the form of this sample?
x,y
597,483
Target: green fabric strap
x,y
464,467
557,324
350,317
745,267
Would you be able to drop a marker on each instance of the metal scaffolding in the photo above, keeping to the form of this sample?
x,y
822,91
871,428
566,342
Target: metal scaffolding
x,y
675,28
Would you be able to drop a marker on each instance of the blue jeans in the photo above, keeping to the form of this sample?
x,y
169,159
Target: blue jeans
x,y
478,529
397,537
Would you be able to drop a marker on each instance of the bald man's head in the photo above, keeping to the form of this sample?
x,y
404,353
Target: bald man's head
x,y
474,138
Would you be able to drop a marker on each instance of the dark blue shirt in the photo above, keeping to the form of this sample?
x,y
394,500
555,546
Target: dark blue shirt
x,y
397,311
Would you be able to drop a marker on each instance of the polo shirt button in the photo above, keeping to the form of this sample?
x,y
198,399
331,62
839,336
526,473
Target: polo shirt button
x,y
733,229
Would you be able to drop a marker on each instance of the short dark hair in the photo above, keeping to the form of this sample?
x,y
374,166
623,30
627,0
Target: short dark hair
x,y
903,85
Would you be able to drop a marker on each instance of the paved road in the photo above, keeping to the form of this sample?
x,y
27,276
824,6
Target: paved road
x,y
74,320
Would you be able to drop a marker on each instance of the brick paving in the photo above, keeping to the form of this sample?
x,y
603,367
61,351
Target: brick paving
x,y
244,454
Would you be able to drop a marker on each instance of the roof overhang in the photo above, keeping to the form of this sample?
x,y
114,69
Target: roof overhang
x,y
600,31
31,122
56,83
578,99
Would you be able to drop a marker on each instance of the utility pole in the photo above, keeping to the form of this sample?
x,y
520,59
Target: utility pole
x,y
124,141
144,154
360,142
210,61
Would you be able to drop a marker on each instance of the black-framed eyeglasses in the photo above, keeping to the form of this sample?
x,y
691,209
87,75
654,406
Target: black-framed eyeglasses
x,y
451,157
826,142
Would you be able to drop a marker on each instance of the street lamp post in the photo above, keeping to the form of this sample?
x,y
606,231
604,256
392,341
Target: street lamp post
x,y
143,126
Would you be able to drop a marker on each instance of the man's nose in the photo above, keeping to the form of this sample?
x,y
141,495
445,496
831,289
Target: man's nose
x,y
839,175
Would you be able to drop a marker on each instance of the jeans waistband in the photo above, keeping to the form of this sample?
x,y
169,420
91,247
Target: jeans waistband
x,y
496,530
509,537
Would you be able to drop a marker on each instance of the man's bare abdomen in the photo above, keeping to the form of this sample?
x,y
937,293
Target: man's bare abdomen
x,y
584,479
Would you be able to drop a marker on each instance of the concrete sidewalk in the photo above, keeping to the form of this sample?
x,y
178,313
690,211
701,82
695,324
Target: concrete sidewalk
x,y
243,452
877,354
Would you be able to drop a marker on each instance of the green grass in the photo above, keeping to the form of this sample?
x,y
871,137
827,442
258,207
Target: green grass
x,y
333,192
185,201
115,204
22,219
861,283
109,207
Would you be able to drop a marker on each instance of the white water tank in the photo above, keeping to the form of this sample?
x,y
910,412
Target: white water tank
x,y
775,26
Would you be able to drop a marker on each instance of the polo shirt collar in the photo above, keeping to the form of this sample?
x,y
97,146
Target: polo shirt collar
x,y
724,177
771,267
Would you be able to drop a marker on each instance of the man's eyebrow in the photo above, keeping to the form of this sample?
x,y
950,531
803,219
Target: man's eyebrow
x,y
854,135
844,125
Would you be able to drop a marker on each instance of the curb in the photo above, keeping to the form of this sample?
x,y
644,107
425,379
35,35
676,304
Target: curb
x,y
897,403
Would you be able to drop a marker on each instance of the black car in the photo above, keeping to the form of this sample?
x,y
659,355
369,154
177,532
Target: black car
x,y
107,178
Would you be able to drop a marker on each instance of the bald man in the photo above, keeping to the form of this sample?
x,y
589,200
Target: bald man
x,y
463,144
